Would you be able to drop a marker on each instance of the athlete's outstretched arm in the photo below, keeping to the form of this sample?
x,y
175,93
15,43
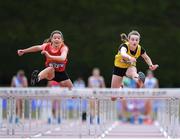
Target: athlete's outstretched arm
x,y
124,54
35,48
147,59
60,58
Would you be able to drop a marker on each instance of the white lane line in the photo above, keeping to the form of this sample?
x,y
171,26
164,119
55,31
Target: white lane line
x,y
38,135
108,130
48,132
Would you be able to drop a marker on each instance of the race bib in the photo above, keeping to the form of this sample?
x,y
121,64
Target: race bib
x,y
128,62
56,65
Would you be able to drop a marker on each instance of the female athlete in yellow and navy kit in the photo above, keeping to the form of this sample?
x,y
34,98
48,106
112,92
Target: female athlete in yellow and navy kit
x,y
125,60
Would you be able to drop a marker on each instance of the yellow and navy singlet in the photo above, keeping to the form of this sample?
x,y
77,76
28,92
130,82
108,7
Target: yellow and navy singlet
x,y
123,62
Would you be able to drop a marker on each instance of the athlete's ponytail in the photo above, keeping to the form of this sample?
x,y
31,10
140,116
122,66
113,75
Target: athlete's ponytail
x,y
124,37
47,40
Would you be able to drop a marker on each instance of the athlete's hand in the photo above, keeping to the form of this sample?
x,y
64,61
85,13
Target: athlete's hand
x,y
20,52
45,53
153,67
132,59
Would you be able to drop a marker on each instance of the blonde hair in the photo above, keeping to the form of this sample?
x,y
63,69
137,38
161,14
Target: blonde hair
x,y
125,38
134,32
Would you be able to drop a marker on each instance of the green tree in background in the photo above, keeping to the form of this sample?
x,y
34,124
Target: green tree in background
x,y
91,29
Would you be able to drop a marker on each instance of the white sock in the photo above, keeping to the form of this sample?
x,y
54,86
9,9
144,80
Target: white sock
x,y
39,78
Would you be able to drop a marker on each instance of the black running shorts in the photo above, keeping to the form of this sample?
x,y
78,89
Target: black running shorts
x,y
60,76
119,71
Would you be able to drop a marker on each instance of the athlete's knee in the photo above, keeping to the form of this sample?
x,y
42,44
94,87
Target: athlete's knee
x,y
51,69
50,76
133,76
51,73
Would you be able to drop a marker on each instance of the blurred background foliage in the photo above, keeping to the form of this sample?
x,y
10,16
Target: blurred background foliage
x,y
91,29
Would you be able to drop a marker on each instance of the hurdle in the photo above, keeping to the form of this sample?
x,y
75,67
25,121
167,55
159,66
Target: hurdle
x,y
67,119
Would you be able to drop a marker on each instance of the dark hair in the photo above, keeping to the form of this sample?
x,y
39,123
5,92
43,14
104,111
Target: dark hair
x,y
52,33
58,32
47,40
20,72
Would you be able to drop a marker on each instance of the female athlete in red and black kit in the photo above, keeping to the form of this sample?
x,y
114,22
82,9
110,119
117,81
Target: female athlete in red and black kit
x,y
55,52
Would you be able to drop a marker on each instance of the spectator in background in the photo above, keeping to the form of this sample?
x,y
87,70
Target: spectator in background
x,y
79,83
150,82
96,80
128,82
53,105
19,80
125,104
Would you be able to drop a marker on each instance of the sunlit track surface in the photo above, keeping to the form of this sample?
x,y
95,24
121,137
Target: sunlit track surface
x,y
133,131
103,119
72,129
